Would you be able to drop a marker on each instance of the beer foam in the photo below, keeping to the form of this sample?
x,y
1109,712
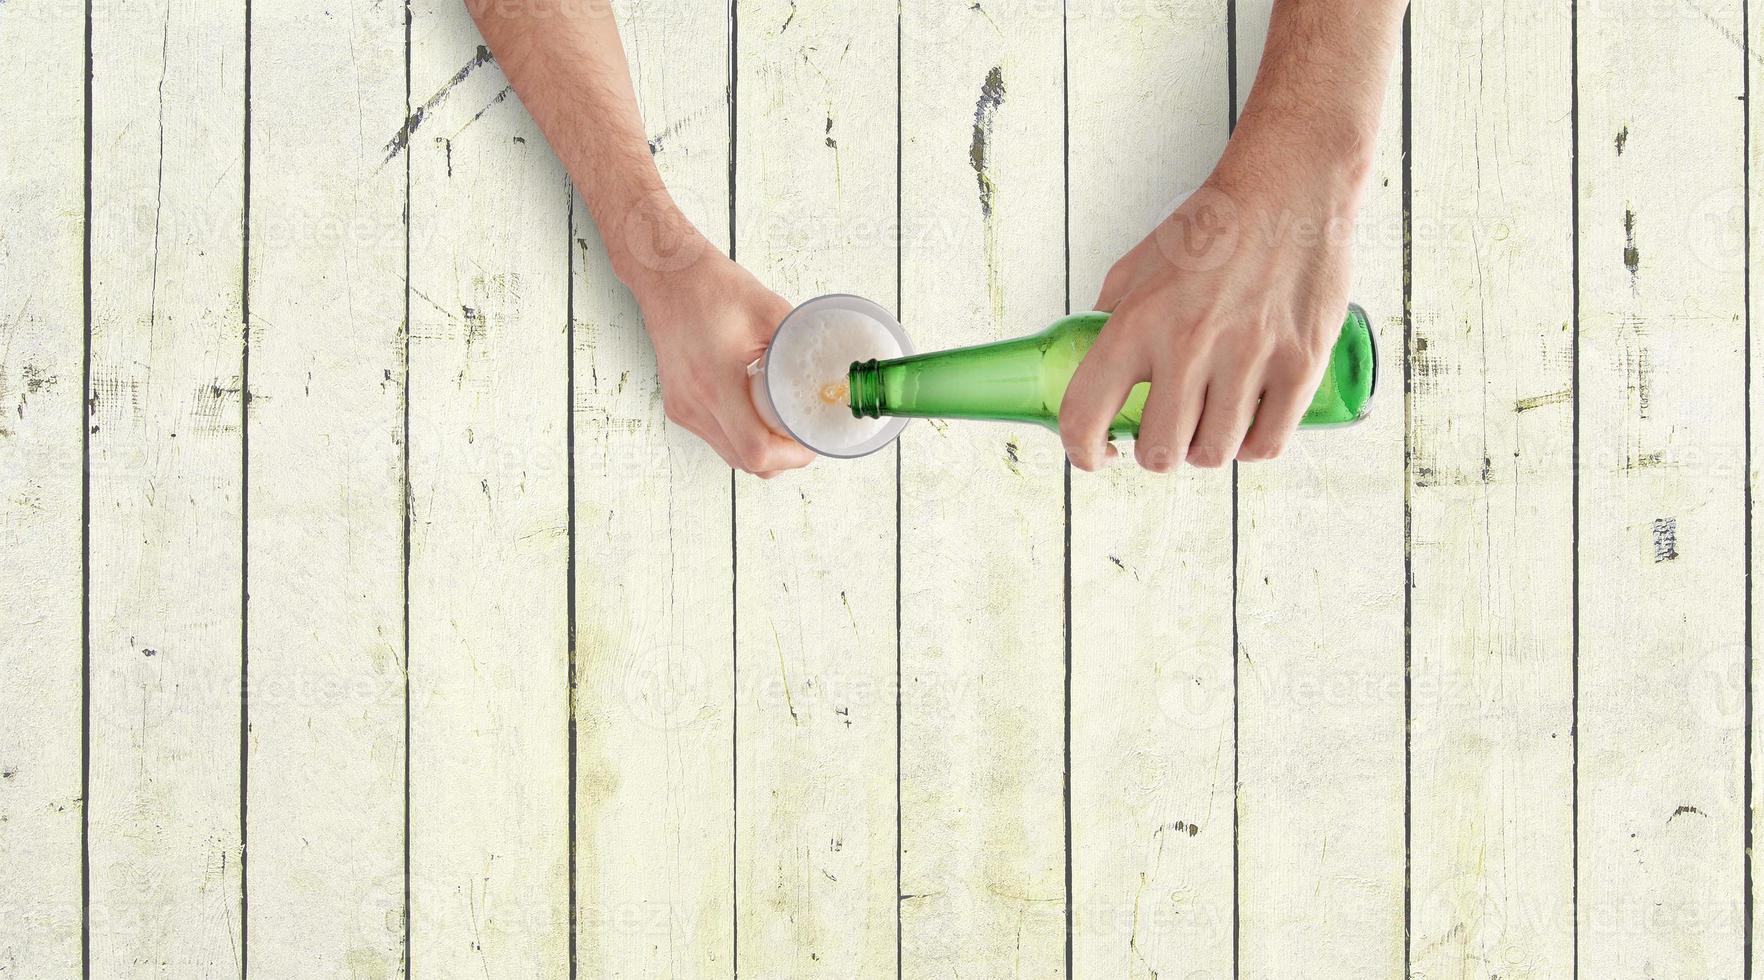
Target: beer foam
x,y
806,371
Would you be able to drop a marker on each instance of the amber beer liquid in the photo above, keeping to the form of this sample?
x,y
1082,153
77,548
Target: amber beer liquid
x,y
1024,380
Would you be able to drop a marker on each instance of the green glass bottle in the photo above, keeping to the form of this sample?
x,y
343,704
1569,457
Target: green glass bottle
x,y
1024,380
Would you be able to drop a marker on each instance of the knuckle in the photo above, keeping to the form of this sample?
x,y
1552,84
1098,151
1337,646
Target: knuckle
x,y
1206,456
1110,353
1197,338
758,455
1293,365
1155,458
1319,341
1256,335
754,462
1261,450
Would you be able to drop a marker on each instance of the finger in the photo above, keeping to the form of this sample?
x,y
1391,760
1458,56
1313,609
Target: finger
x,y
765,453
1225,417
772,311
711,434
1283,405
1121,278
757,448
1113,288
1098,389
1172,411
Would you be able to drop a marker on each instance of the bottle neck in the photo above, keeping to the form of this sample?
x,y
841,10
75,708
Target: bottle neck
x,y
864,382
1001,380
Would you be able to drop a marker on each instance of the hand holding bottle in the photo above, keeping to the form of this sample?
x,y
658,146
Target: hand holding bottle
x,y
1229,307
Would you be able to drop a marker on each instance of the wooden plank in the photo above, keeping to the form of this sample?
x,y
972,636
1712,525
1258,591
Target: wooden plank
x,y
1661,463
982,506
489,548
1491,492
1750,256
655,701
166,469
42,336
1320,644
1151,738
816,645
326,665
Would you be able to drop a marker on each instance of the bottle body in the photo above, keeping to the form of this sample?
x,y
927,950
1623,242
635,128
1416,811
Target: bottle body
x,y
1025,379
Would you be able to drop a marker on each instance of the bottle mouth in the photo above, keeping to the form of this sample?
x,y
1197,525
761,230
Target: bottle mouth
x,y
864,382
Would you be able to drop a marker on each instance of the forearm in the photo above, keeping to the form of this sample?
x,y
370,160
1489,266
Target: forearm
x,y
1318,96
566,63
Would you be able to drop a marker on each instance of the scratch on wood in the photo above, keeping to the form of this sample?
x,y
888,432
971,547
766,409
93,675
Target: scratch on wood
x,y
34,381
1539,401
476,326
846,601
401,139
1631,255
992,93
1642,383
976,8
159,182
1665,539
659,141
1634,461
495,100
784,675
213,405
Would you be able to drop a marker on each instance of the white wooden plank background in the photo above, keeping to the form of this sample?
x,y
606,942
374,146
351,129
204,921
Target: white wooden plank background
x,y
42,210
655,707
165,522
1744,255
982,541
1152,744
1461,692
1491,491
816,618
325,806
489,525
1320,648
1662,818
